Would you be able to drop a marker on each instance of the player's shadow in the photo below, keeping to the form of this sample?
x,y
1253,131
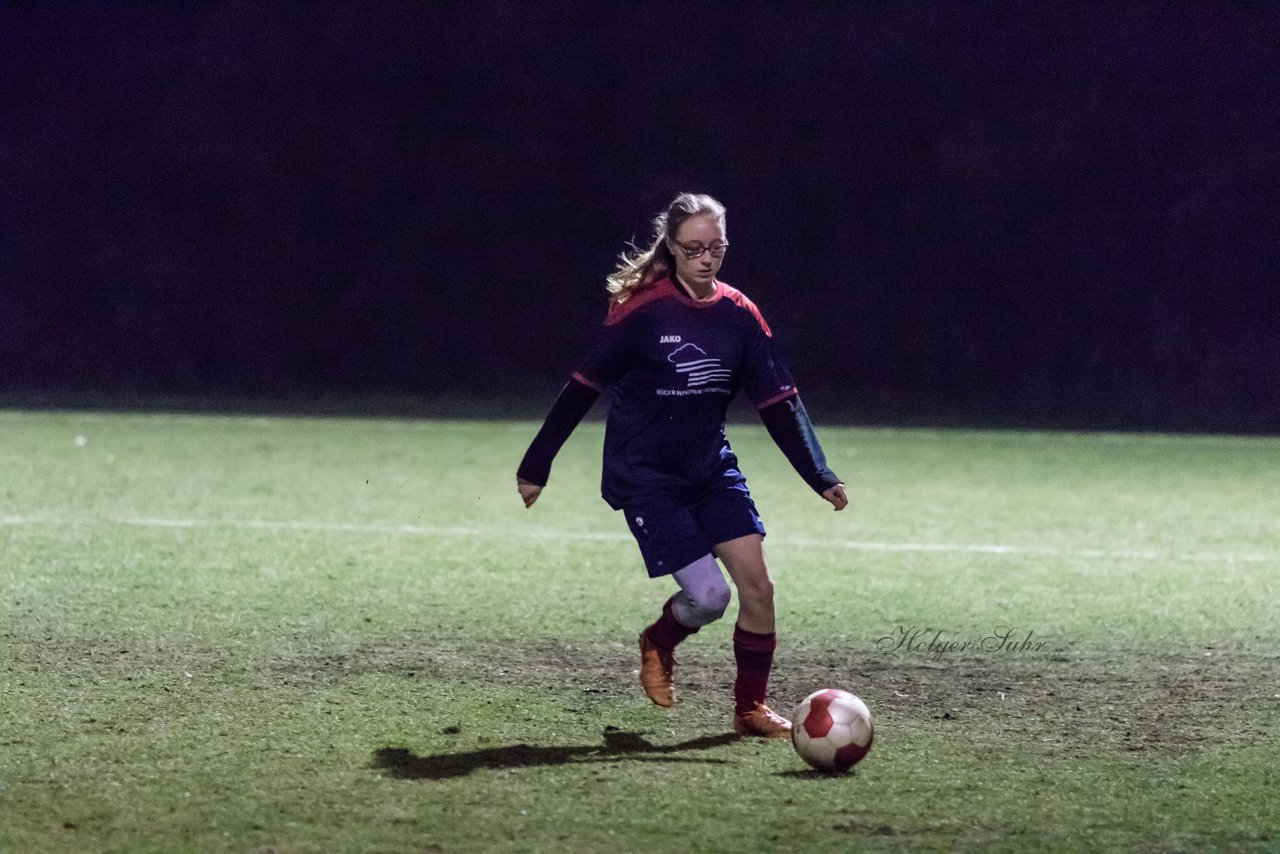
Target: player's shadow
x,y
618,746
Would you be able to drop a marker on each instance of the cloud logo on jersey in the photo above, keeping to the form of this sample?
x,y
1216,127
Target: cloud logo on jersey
x,y
698,369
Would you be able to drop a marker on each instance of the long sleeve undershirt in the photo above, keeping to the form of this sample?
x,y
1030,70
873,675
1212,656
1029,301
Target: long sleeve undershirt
x,y
792,431
573,402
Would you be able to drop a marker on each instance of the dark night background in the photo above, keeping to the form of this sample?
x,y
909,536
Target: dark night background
x,y
1054,214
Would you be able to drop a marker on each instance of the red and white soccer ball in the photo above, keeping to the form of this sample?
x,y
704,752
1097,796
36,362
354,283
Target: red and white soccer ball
x,y
832,730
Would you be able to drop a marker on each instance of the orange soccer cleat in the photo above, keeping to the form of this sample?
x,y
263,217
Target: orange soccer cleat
x,y
762,721
656,668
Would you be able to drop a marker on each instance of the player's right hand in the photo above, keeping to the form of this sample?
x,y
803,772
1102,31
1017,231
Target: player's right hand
x,y
528,491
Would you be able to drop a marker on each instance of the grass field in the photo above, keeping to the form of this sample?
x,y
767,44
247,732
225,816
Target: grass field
x,y
240,634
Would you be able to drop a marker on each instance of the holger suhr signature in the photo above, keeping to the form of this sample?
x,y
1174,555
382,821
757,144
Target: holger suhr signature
x,y
935,643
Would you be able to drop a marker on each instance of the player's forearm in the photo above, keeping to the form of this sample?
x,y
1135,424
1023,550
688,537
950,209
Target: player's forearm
x,y
573,402
792,431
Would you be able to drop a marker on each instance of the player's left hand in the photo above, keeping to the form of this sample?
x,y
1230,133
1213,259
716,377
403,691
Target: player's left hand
x,y
528,491
835,495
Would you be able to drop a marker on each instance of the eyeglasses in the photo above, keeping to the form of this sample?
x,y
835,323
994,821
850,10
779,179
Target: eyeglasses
x,y
695,250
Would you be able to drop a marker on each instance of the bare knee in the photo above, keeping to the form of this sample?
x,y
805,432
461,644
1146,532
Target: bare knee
x,y
744,558
756,589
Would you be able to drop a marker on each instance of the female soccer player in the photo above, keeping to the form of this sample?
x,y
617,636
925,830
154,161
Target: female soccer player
x,y
677,345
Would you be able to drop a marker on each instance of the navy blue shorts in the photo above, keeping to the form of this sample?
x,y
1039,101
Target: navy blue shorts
x,y
673,533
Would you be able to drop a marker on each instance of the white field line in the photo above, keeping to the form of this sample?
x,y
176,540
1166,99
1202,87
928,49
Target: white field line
x,y
543,534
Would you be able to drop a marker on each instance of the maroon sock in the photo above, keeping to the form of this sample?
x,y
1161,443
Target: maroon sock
x,y
754,654
667,631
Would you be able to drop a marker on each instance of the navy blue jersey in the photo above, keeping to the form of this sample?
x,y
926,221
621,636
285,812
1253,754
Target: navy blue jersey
x,y
674,364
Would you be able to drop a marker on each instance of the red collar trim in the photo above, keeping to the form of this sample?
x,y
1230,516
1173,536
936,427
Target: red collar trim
x,y
680,294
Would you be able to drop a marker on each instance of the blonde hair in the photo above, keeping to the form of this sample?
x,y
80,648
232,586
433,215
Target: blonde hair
x,y
641,268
